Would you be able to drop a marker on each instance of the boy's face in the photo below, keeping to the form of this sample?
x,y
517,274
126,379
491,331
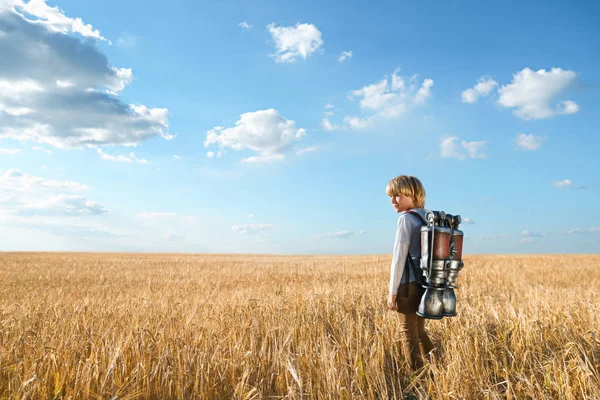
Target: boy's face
x,y
402,203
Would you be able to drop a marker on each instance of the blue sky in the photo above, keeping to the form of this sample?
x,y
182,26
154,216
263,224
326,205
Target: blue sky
x,y
274,127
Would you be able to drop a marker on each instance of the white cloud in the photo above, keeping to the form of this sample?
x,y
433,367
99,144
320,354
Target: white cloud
x,y
127,41
468,221
293,42
40,148
156,214
424,92
54,19
58,96
9,152
165,217
253,228
210,154
474,149
529,142
449,148
496,237
483,87
375,96
244,25
250,215
388,98
564,184
62,205
31,203
63,84
263,158
177,157
14,180
595,229
532,93
355,122
263,131
328,126
329,106
345,55
576,231
13,111
363,232
528,236
306,150
338,234
120,158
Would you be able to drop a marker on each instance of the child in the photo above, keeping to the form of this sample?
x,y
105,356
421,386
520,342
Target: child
x,y
407,193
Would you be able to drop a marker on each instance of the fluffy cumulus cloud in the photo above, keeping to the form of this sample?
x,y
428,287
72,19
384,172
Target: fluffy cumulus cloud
x,y
22,194
264,131
453,147
294,42
388,98
528,142
244,25
53,18
66,95
483,87
532,94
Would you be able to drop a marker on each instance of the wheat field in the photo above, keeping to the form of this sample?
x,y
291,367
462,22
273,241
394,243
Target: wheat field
x,y
173,326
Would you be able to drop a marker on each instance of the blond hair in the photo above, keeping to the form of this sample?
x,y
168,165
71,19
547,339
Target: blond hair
x,y
408,186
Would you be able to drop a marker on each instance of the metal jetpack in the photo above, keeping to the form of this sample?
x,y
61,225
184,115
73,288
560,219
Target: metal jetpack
x,y
441,260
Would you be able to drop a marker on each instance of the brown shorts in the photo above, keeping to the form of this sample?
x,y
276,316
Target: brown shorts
x,y
410,304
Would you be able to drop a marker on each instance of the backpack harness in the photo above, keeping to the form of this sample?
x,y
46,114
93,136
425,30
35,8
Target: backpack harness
x,y
416,271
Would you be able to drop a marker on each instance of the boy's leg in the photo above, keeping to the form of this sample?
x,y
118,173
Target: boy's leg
x,y
423,337
410,340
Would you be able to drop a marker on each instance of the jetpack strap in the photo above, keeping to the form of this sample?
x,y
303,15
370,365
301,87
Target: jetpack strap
x,y
416,271
417,215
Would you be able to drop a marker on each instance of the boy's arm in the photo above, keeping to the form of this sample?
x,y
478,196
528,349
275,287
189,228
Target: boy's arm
x,y
401,244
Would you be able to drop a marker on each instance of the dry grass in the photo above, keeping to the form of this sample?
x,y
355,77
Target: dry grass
x,y
246,327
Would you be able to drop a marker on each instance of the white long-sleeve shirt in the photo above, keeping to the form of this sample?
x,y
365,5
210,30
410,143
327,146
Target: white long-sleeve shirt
x,y
408,240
